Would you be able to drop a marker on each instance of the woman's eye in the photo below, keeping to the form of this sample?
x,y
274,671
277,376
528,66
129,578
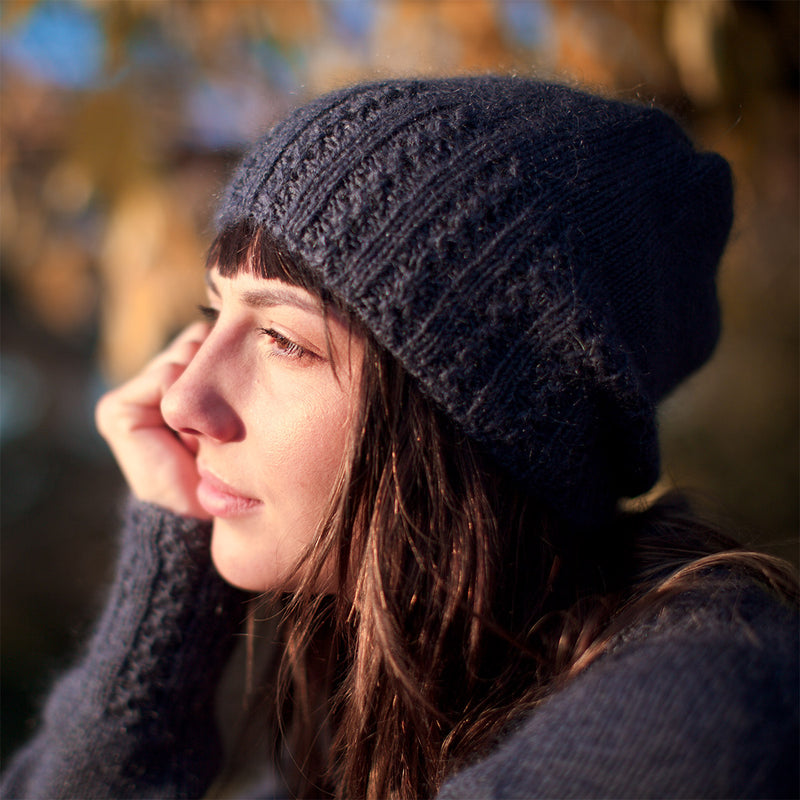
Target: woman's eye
x,y
208,313
284,347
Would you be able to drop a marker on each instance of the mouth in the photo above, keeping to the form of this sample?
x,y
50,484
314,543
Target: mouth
x,y
221,500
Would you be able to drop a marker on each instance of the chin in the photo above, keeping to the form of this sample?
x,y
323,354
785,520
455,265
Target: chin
x,y
248,559
243,564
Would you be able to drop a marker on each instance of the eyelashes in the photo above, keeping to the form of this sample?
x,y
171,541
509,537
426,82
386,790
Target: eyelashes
x,y
283,346
279,345
208,313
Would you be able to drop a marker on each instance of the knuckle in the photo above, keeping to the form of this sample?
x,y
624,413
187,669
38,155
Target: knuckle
x,y
104,412
168,375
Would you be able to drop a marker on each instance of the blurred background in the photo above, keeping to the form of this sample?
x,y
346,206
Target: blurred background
x,y
119,122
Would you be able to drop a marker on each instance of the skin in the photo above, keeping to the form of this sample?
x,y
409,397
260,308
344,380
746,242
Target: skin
x,y
243,419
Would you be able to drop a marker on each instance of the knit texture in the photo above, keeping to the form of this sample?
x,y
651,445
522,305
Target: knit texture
x,y
541,260
701,700
135,717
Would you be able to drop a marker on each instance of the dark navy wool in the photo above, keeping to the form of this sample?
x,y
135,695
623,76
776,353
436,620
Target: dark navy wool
x,y
543,262
700,700
540,259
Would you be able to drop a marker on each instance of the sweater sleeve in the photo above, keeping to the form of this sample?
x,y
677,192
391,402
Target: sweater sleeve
x,y
134,717
701,702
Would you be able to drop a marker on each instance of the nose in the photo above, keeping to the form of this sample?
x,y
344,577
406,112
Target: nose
x,y
197,403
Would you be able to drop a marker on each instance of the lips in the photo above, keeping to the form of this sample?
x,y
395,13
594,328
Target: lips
x,y
221,500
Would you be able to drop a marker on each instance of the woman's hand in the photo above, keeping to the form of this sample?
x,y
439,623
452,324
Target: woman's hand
x,y
158,464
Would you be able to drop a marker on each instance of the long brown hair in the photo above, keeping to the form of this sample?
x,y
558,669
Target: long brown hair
x,y
463,601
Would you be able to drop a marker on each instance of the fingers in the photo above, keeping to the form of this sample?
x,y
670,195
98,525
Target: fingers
x,y
145,390
183,348
157,463
136,404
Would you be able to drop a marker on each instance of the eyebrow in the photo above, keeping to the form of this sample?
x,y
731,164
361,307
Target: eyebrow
x,y
267,298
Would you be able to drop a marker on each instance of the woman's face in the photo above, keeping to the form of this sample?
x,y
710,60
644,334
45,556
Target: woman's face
x,y
269,400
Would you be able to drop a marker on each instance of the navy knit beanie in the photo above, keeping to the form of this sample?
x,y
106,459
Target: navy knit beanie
x,y
541,260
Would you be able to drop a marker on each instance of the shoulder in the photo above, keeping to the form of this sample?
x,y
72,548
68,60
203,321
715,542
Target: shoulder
x,y
700,699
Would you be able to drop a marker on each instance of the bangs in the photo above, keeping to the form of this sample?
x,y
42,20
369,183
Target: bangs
x,y
246,247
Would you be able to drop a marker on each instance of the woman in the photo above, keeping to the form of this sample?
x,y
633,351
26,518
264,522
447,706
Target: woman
x,y
441,314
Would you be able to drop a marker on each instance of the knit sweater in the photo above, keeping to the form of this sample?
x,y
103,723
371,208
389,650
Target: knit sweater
x,y
700,700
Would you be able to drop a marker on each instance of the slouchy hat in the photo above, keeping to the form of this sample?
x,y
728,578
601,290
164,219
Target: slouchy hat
x,y
540,259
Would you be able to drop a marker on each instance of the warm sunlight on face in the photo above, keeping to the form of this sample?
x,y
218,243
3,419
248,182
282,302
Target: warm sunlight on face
x,y
271,418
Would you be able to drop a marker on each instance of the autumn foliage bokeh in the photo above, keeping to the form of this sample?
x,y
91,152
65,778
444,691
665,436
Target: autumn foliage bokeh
x,y
119,121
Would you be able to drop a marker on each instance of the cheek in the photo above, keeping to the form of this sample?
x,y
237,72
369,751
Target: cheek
x,y
302,449
318,449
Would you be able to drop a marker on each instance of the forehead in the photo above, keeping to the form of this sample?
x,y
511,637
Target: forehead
x,y
264,292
